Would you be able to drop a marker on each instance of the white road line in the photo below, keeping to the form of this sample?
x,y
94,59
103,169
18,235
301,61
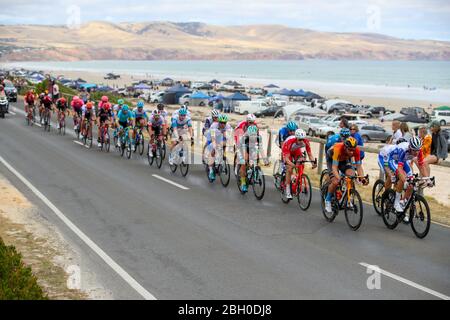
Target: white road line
x,y
405,281
171,182
38,124
78,142
118,269
13,113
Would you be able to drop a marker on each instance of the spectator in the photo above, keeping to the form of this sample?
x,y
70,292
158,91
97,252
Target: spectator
x,y
220,105
426,141
55,91
354,131
405,131
84,95
397,133
439,147
344,123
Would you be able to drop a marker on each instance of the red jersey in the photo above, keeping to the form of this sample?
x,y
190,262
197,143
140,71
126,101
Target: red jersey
x,y
293,149
77,104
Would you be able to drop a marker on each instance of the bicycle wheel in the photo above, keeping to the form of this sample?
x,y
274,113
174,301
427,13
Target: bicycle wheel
x,y
388,212
107,141
141,145
420,217
163,151
283,194
259,183
150,154
304,195
116,140
64,127
159,159
377,193
276,167
184,168
329,216
224,173
354,210
323,177
174,166
129,148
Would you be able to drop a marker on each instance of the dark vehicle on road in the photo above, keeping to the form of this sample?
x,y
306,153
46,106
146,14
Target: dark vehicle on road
x,y
268,112
416,111
111,76
10,91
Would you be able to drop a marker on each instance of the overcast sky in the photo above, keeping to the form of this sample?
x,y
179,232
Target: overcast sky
x,y
412,19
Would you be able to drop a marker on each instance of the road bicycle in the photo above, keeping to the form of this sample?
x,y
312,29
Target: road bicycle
x,y
156,151
300,187
87,134
254,177
31,115
47,119
125,142
139,141
221,167
346,198
105,140
62,122
178,155
417,207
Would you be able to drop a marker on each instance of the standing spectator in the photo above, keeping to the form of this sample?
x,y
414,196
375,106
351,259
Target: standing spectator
x,y
55,91
397,133
354,132
344,123
84,95
439,147
405,131
220,105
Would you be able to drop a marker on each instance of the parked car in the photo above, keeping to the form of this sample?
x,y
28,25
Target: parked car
x,y
111,76
157,97
246,107
335,106
255,91
442,116
374,133
268,112
10,91
309,124
184,99
416,111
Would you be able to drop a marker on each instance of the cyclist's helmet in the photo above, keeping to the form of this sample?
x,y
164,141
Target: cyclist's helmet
x,y
62,100
223,118
75,98
89,105
252,130
415,143
140,104
182,112
120,101
46,91
350,142
105,98
214,113
184,107
107,106
125,108
291,126
156,113
160,106
400,140
345,133
251,117
300,134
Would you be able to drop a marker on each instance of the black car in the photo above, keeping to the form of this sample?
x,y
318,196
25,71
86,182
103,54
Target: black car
x,y
10,91
268,112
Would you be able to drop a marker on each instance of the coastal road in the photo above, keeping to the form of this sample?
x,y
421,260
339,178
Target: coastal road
x,y
197,240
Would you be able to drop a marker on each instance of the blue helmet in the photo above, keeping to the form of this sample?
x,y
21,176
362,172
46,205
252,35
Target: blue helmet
x,y
291,126
140,104
182,112
125,107
345,133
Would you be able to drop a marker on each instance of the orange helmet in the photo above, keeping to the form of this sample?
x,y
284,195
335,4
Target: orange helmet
x,y
89,105
62,100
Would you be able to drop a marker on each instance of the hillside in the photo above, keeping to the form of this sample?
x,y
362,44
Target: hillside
x,y
167,40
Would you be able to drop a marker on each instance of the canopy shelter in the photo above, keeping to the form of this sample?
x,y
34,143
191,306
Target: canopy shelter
x,y
199,99
442,108
88,85
311,95
214,82
272,86
218,97
301,93
231,101
173,94
142,86
283,92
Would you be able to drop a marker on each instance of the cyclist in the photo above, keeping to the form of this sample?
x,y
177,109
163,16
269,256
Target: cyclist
x,y
103,100
338,137
339,160
210,120
61,107
285,132
47,104
163,112
180,125
250,142
118,106
29,100
141,118
383,157
399,161
77,107
216,138
176,112
125,119
157,128
242,127
293,149
87,115
104,116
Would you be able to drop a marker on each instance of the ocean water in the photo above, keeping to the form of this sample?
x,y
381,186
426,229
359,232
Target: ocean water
x,y
432,74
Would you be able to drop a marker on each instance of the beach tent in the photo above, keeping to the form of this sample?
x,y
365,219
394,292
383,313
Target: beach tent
x,y
231,101
198,99
283,92
142,86
173,94
214,82
215,98
301,93
311,95
88,86
272,86
442,108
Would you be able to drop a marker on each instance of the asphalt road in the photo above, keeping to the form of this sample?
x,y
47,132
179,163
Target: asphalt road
x,y
210,242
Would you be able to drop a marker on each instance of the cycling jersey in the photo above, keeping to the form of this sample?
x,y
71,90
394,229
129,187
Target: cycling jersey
x,y
216,133
332,140
29,98
181,124
283,134
175,114
47,102
294,149
122,117
77,104
240,130
399,157
152,121
337,154
138,115
61,106
104,115
208,122
86,113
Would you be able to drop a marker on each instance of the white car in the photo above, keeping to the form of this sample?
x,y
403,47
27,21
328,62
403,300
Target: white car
x,y
184,99
157,97
442,116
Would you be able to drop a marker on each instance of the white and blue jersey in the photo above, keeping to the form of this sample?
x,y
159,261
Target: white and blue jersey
x,y
181,124
140,114
395,156
217,134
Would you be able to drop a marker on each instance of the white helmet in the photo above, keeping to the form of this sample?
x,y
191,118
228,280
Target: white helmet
x,y
300,134
251,117
214,113
415,143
